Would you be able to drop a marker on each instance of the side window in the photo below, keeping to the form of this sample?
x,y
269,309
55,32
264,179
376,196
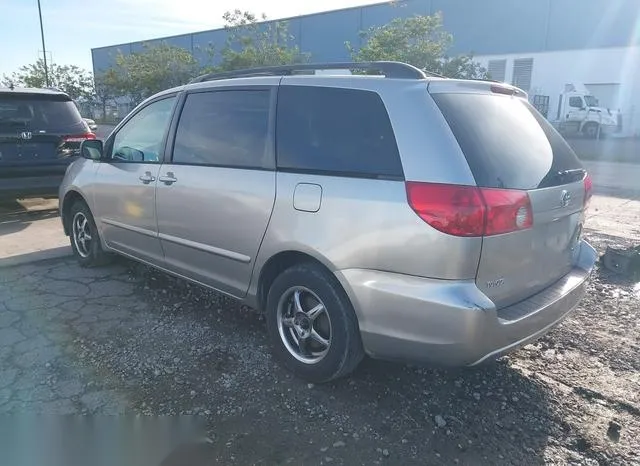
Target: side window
x,y
140,139
224,128
333,130
575,102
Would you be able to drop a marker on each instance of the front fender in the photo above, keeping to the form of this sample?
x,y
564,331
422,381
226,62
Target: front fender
x,y
76,184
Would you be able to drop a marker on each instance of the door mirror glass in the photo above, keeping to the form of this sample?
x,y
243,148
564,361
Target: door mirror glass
x,y
130,154
91,149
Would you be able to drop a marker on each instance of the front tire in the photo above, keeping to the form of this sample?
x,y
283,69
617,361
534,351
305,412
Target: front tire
x,y
312,325
84,236
590,130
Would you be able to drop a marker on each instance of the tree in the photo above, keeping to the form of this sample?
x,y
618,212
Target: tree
x,y
156,68
251,44
71,79
105,90
420,41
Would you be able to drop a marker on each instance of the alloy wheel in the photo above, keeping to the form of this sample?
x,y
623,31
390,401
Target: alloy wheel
x,y
304,325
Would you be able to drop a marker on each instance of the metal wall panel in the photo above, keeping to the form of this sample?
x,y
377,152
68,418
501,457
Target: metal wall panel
x,y
378,15
202,41
324,35
494,26
105,57
575,24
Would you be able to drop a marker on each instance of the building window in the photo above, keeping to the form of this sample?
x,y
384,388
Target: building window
x,y
497,69
522,70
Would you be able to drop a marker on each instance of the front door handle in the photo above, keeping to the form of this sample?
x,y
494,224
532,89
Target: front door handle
x,y
169,178
146,178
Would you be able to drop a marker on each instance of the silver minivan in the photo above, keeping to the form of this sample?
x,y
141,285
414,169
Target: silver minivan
x,y
398,215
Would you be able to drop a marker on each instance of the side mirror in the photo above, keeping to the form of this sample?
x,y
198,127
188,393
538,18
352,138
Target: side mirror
x,y
91,149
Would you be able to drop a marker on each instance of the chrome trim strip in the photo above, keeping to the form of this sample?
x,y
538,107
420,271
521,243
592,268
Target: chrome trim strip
x,y
124,226
206,248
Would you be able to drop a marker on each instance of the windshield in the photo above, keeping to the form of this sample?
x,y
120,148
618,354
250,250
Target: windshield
x,y
591,101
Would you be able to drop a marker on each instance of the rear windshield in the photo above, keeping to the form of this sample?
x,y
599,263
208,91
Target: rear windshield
x,y
507,143
38,112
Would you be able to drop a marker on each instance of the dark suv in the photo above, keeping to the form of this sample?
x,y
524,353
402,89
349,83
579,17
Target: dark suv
x,y
40,134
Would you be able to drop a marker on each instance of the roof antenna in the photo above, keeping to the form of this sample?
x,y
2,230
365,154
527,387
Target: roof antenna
x,y
11,86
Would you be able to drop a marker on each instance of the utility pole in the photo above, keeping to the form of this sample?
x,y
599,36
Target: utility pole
x,y
44,50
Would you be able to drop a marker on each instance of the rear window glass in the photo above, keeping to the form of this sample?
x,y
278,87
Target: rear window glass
x,y
335,131
507,143
38,112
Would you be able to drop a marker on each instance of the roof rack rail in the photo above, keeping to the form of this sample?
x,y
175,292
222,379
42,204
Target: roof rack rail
x,y
390,69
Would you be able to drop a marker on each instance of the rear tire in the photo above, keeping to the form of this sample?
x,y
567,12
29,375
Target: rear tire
x,y
84,236
312,325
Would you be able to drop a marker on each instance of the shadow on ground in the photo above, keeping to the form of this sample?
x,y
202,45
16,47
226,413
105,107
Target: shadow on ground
x,y
14,217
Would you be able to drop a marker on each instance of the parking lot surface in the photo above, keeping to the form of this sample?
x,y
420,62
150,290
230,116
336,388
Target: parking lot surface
x,y
124,339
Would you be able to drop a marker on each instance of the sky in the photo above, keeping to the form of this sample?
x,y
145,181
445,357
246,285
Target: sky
x,y
73,27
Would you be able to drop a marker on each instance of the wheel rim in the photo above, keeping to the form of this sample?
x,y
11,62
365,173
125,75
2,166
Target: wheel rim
x,y
81,234
304,325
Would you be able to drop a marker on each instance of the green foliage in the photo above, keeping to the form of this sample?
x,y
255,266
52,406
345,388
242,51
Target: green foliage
x,y
73,80
251,44
463,67
420,41
156,68
106,89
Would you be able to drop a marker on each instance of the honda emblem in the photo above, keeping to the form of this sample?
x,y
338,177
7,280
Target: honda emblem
x,y
25,135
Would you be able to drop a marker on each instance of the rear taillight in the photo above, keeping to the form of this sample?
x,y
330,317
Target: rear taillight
x,y
507,210
588,190
457,210
79,137
470,211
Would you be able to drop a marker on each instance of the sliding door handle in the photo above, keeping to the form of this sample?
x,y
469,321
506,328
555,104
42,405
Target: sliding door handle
x,y
169,178
147,178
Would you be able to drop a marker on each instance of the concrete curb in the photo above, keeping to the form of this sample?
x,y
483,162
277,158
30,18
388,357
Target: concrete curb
x,y
37,256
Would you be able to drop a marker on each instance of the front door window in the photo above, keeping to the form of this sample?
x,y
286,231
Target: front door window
x,y
141,138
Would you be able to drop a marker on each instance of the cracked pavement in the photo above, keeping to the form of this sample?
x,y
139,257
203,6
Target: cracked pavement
x,y
45,312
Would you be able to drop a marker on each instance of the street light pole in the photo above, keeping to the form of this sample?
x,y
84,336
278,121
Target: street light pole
x,y
44,50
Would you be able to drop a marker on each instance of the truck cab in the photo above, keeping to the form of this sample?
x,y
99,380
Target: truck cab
x,y
579,112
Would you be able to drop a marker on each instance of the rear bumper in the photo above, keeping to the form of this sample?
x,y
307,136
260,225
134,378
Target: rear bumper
x,y
29,186
453,323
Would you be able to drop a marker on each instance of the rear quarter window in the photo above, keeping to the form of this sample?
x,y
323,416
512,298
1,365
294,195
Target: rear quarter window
x,y
335,131
506,141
